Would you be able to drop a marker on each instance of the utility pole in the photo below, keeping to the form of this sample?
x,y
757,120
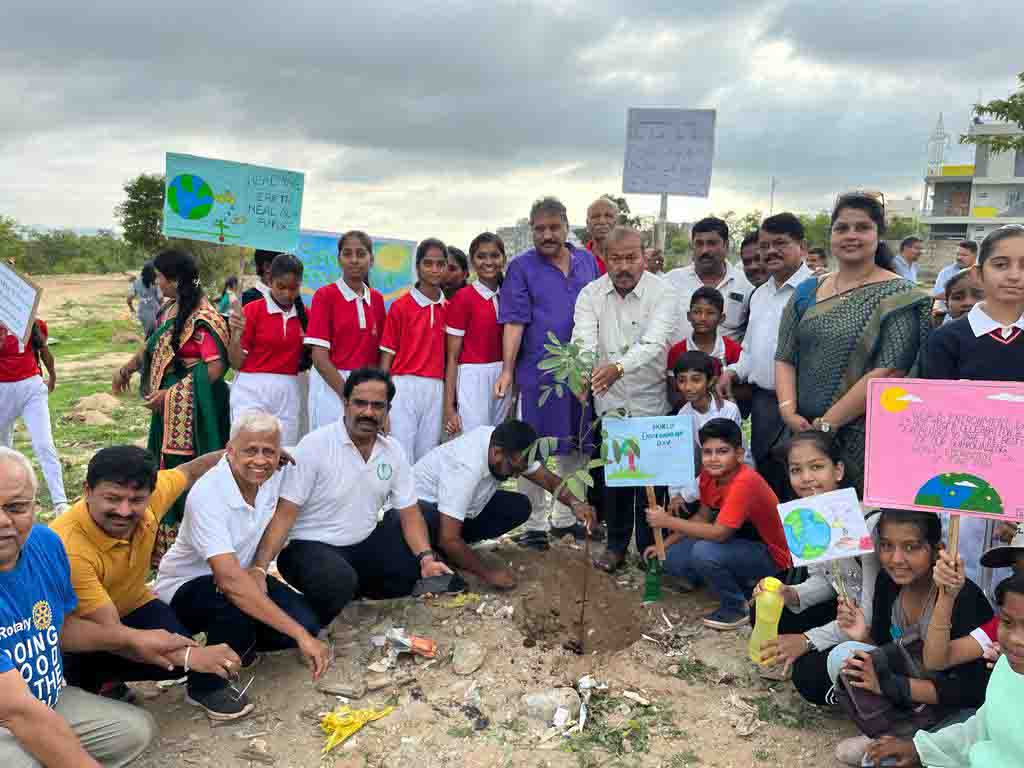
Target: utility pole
x,y
771,195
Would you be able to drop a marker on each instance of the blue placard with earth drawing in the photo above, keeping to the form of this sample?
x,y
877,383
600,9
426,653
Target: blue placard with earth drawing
x,y
649,451
394,263
825,527
218,201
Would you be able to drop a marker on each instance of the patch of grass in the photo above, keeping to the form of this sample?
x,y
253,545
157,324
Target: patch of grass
x,y
693,670
91,338
770,710
763,755
461,731
683,759
609,731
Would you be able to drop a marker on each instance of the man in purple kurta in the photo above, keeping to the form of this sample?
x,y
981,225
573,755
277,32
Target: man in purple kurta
x,y
538,296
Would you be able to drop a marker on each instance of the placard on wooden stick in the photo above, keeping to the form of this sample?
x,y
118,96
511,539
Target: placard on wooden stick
x,y
19,300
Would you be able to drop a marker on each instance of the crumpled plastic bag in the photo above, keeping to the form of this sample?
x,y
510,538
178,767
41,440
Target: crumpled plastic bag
x,y
344,722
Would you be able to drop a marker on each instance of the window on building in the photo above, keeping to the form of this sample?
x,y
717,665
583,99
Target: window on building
x,y
1018,165
981,160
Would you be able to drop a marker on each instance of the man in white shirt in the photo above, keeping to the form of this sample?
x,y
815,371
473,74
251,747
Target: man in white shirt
x,y
626,318
905,263
210,580
344,474
457,485
710,240
783,248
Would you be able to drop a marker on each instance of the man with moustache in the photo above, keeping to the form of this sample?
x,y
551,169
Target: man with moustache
x,y
750,258
109,535
710,240
209,576
782,246
344,474
537,299
602,216
626,318
457,485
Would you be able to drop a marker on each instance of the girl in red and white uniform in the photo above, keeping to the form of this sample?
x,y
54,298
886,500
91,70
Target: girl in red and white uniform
x,y
346,320
412,350
24,393
474,343
266,347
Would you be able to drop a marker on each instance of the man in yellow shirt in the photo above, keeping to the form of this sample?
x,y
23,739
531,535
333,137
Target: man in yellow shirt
x,y
109,535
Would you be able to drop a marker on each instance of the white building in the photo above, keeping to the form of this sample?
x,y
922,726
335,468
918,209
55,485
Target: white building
x,y
968,201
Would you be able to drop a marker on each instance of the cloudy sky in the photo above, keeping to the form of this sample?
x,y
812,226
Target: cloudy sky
x,y
428,118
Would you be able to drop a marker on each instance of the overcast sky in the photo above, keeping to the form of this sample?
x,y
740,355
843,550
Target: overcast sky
x,y
445,119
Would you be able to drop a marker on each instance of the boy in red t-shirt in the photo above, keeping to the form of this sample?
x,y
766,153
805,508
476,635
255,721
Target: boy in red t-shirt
x,y
707,310
736,538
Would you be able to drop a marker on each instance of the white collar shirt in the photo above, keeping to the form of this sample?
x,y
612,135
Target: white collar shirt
x,y
735,290
340,494
349,295
487,294
634,330
421,298
456,476
217,521
757,355
274,309
982,324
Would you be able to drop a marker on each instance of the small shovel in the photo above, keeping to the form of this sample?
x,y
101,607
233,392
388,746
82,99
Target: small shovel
x,y
652,582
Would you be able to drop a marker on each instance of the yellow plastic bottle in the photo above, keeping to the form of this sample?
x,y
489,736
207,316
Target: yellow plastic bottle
x,y
769,610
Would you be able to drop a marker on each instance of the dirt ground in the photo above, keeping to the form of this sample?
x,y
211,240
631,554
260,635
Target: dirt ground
x,y
678,695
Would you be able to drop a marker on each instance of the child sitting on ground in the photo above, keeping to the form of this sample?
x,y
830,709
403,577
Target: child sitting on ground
x,y
992,738
707,310
736,538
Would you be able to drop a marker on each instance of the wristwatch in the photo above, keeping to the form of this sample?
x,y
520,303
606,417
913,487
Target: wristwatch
x,y
426,553
824,426
621,369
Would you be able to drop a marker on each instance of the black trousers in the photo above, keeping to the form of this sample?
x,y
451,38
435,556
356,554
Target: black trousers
x,y
329,577
202,607
90,671
624,509
506,511
768,436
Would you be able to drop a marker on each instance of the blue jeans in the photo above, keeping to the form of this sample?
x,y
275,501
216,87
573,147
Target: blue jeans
x,y
731,568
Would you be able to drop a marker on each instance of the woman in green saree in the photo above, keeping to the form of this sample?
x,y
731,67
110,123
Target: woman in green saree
x,y
182,364
843,329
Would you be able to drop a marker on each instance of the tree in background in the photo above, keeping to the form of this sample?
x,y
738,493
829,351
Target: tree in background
x,y
1008,110
740,225
12,247
142,213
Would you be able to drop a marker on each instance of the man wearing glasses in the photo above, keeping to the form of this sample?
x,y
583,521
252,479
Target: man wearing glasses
x,y
42,721
344,474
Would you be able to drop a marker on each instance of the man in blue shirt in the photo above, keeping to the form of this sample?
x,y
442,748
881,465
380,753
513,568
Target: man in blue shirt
x,y
966,256
41,721
904,263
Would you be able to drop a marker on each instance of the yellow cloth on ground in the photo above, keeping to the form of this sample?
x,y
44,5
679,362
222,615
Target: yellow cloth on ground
x,y
342,723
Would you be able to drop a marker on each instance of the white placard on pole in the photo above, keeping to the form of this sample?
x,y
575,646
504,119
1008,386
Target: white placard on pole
x,y
19,298
669,151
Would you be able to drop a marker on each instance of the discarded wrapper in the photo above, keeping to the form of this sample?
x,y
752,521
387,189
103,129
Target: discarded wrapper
x,y
405,643
344,722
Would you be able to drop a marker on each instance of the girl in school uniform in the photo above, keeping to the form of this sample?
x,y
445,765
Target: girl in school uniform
x,y
412,350
985,344
474,343
267,350
346,321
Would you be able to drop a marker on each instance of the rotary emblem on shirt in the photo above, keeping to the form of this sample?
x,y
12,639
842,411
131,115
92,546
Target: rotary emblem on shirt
x,y
42,616
384,471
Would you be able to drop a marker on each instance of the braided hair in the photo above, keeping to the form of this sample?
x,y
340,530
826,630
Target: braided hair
x,y
177,265
287,264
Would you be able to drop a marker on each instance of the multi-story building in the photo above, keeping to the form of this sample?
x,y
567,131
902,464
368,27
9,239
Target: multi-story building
x,y
967,201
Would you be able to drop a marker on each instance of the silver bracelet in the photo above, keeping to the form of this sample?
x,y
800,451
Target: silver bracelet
x,y
188,651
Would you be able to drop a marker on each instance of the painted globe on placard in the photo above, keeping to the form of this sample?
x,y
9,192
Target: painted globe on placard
x,y
808,534
958,490
189,196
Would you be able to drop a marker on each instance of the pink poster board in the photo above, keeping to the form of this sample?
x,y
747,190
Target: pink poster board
x,y
946,446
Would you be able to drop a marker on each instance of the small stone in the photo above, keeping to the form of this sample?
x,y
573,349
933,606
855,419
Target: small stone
x,y
350,689
376,682
468,657
542,705
673,669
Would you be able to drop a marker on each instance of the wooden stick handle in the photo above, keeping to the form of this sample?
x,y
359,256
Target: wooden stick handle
x,y
954,535
659,542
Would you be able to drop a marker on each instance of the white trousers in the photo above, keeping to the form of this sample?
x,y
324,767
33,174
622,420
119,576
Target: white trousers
x,y
274,393
29,399
478,407
324,404
541,501
416,414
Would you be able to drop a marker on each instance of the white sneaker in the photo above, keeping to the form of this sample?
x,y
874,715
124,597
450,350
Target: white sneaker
x,y
851,751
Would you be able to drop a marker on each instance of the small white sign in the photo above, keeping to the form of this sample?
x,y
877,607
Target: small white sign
x,y
827,527
669,151
19,298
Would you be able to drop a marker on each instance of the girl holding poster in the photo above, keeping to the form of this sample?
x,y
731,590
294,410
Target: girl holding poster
x,y
346,320
808,629
474,343
412,350
267,350
987,344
